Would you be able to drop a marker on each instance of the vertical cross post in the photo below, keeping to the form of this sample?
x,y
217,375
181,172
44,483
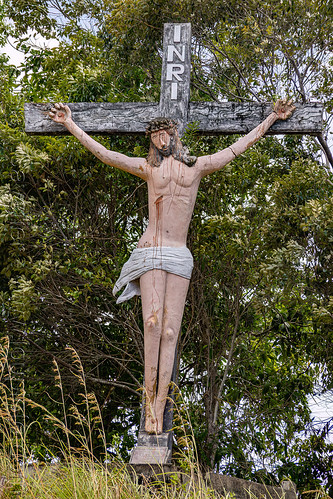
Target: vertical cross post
x,y
176,73
174,103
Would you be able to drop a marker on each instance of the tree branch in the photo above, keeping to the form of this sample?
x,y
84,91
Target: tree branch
x,y
226,370
76,371
325,148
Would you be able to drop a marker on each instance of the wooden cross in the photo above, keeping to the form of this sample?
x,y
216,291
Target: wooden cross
x,y
212,118
132,118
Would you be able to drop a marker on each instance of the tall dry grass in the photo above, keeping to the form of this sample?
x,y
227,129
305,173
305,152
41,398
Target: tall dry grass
x,y
75,472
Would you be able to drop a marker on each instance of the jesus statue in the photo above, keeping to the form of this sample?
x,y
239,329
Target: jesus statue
x,y
160,267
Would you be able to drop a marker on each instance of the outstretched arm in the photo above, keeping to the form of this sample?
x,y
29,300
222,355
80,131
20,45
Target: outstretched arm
x,y
61,113
209,164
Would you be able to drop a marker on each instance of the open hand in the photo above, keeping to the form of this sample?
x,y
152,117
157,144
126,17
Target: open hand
x,y
60,113
284,108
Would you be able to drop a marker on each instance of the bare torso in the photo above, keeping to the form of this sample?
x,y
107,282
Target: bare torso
x,y
172,191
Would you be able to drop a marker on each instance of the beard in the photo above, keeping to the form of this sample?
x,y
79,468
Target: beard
x,y
166,150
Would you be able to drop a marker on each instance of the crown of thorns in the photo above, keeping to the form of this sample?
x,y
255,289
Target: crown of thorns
x,y
160,124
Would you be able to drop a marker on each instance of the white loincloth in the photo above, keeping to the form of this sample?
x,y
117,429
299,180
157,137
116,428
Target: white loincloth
x,y
177,261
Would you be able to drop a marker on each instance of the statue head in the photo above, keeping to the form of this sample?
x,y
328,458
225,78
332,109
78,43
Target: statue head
x,y
166,146
161,124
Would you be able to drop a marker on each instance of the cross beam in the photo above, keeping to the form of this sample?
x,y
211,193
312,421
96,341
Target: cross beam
x,y
210,117
226,118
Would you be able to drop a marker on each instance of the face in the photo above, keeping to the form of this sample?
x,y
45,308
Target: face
x,y
160,139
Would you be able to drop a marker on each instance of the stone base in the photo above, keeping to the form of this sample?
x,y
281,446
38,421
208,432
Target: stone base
x,y
143,473
221,484
245,489
150,455
152,449
162,440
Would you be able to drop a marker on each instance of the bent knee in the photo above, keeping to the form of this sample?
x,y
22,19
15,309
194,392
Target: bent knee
x,y
170,335
152,323
152,320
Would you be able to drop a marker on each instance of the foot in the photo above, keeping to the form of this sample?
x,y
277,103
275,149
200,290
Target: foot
x,y
150,424
159,426
159,412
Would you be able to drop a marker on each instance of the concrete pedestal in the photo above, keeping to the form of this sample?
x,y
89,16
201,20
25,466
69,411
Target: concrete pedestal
x,y
152,449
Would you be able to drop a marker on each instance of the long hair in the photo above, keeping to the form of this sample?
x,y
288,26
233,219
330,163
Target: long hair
x,y
175,149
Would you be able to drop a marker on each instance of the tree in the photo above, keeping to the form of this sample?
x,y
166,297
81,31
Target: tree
x,y
256,334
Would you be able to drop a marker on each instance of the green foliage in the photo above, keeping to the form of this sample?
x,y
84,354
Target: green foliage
x,y
257,331
29,160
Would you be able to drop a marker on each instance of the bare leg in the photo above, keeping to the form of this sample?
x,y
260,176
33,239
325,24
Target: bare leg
x,y
152,285
174,303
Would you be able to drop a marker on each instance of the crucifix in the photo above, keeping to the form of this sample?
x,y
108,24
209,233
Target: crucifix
x,y
160,268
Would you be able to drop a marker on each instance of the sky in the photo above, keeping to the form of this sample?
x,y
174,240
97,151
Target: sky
x,y
322,406
17,57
